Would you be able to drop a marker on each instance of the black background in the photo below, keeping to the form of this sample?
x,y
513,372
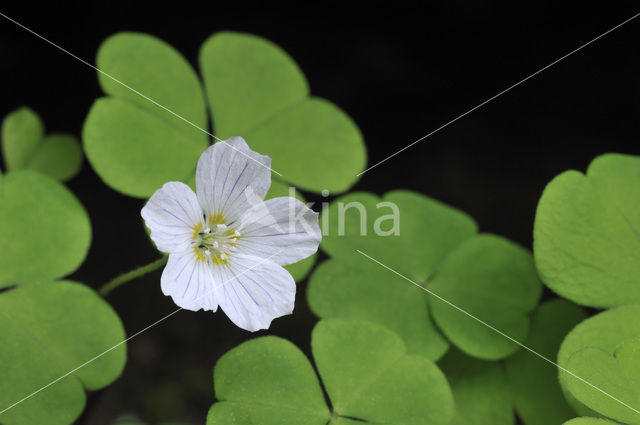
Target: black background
x,y
399,72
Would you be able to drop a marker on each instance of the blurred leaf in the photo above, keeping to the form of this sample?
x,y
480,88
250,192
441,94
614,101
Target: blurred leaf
x,y
538,397
365,370
586,240
134,145
25,147
44,230
301,269
604,350
480,390
22,132
494,280
47,330
257,91
59,156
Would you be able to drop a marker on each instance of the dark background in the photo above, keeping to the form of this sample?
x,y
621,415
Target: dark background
x,y
400,72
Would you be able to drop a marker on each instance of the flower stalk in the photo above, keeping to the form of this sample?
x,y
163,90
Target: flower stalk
x,y
131,275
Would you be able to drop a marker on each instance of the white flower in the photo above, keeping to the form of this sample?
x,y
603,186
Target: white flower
x,y
226,244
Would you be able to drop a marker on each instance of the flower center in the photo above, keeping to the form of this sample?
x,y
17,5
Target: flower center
x,y
216,241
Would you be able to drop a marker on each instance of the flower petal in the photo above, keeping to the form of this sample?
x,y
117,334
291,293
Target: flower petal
x,y
283,229
230,177
172,213
189,281
254,291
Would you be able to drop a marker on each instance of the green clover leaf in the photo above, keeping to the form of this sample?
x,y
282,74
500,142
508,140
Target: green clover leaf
x,y
480,390
428,231
254,90
25,147
257,91
438,248
350,285
365,370
134,145
47,330
45,232
586,231
494,280
618,373
604,351
337,289
537,394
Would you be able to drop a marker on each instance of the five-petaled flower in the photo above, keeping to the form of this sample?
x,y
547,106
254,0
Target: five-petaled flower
x,y
227,245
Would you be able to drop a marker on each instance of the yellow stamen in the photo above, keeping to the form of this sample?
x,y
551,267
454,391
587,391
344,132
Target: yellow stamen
x,y
199,254
217,219
196,229
219,260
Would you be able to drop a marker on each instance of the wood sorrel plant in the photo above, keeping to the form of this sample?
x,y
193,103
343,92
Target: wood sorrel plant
x,y
422,319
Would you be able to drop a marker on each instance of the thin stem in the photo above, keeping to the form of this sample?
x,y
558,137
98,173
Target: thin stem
x,y
133,274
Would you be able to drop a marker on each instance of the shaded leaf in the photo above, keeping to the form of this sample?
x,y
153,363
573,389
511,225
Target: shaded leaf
x,y
59,156
44,231
538,397
480,390
586,236
46,331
